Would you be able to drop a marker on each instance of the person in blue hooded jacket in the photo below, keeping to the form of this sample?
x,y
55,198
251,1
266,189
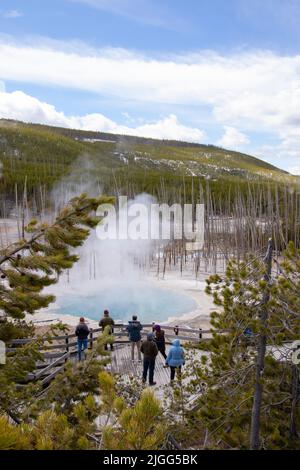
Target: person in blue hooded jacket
x,y
175,359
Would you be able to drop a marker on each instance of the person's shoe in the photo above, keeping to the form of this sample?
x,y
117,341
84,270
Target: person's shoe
x,y
152,384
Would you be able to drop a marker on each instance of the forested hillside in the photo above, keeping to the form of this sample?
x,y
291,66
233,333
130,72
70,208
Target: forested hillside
x,y
34,157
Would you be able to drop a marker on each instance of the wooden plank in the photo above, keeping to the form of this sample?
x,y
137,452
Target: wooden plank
x,y
52,355
122,365
51,376
37,375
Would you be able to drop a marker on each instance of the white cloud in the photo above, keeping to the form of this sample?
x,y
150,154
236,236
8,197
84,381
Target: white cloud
x,y
20,106
250,91
10,14
294,170
251,86
233,139
285,154
170,128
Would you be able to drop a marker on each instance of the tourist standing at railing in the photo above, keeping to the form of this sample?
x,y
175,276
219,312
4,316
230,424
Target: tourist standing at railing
x,y
159,338
175,359
150,351
134,329
105,321
82,332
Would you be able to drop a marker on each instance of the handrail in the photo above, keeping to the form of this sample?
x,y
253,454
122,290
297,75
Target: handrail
x,y
40,373
121,333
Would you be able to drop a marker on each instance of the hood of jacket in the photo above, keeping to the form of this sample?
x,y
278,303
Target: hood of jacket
x,y
176,343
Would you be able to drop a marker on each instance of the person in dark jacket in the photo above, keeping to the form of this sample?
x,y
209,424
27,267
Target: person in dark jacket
x,y
159,338
134,329
150,351
105,321
175,359
82,332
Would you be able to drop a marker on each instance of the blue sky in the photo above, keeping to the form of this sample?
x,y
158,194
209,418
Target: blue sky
x,y
225,72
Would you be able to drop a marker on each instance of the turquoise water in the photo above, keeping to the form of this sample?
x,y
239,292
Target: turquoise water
x,y
148,302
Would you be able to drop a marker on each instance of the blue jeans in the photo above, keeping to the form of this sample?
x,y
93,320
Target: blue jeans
x,y
149,364
81,343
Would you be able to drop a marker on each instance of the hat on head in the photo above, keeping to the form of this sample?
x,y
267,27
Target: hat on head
x,y
81,319
106,312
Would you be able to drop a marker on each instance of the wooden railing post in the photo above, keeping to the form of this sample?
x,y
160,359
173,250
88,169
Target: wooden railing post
x,y
91,340
67,343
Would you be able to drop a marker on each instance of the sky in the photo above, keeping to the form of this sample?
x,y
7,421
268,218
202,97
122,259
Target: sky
x,y
222,72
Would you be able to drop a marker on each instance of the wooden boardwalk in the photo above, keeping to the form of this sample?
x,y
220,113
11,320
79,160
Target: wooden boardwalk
x,y
61,349
121,364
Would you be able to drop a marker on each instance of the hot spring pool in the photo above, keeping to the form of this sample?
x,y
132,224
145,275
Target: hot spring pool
x,y
150,303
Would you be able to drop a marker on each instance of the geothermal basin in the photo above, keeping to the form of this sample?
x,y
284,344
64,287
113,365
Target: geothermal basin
x,y
149,302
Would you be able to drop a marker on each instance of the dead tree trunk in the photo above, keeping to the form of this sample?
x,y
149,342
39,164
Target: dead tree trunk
x,y
295,400
261,353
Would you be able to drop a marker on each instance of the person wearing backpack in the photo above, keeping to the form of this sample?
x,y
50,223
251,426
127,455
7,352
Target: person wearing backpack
x,y
105,321
159,338
82,332
134,329
150,351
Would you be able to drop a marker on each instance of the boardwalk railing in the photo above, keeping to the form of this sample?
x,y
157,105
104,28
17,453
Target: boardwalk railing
x,y
56,350
69,341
